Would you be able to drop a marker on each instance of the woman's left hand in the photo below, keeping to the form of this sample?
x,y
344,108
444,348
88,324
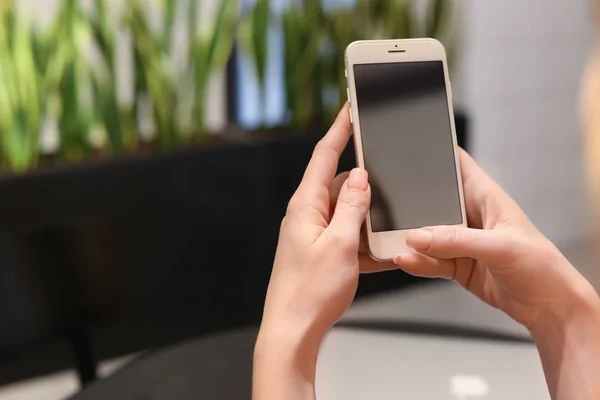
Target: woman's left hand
x,y
316,269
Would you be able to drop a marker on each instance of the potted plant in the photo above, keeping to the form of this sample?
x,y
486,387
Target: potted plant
x,y
188,226
159,225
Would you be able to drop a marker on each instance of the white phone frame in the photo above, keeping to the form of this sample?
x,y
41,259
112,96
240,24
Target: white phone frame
x,y
383,246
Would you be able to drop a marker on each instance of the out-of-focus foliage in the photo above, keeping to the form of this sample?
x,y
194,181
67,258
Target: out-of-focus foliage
x,y
315,41
21,91
63,78
59,84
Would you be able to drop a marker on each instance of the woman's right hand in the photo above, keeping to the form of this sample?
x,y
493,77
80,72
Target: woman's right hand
x,y
502,258
506,262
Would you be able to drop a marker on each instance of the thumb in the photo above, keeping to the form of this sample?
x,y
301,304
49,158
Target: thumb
x,y
351,208
489,246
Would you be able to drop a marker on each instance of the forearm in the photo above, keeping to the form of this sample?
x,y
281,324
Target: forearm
x,y
569,347
285,362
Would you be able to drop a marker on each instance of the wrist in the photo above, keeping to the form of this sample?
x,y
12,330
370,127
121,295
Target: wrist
x,y
285,360
294,342
582,311
568,341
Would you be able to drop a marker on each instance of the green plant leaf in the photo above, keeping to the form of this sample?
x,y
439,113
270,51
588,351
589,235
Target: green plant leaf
x,y
192,27
253,36
398,20
214,46
170,11
107,112
437,17
302,63
260,38
7,101
104,34
20,97
18,146
154,75
212,50
344,27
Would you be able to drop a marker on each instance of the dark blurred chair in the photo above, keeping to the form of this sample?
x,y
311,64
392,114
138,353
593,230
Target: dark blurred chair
x,y
53,283
211,367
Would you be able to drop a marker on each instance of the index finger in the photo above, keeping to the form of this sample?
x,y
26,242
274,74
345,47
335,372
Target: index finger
x,y
472,174
323,165
482,192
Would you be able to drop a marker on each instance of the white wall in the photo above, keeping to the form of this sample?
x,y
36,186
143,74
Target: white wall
x,y
522,62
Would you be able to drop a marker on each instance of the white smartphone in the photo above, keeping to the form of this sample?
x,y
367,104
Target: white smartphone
x,y
404,134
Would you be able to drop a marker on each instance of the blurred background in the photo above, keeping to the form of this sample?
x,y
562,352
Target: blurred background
x,y
148,149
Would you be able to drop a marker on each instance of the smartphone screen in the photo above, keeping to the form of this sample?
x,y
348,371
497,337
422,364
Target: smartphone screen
x,y
407,145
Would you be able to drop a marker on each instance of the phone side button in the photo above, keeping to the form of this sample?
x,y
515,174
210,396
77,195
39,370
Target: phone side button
x,y
348,94
350,112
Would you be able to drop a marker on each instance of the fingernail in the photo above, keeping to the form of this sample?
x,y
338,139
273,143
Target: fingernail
x,y
359,179
419,239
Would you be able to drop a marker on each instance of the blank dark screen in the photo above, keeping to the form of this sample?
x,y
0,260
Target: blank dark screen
x,y
407,145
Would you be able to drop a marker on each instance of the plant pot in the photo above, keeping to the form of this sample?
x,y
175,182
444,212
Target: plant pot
x,y
147,250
